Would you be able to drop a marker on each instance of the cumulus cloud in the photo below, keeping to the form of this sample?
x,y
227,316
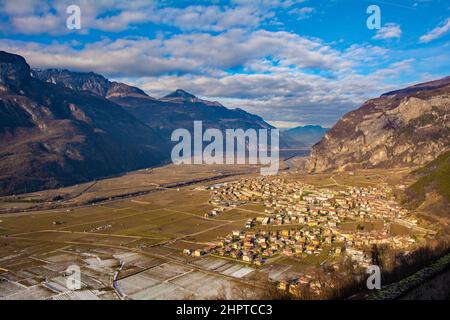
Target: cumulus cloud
x,y
389,31
212,18
218,51
43,17
302,13
282,77
289,96
437,32
39,16
181,53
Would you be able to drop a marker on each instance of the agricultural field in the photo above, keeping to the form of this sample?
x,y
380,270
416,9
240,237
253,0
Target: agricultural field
x,y
140,238
132,247
128,185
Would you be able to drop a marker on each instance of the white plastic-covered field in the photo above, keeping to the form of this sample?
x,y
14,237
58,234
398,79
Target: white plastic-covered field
x,y
173,281
228,268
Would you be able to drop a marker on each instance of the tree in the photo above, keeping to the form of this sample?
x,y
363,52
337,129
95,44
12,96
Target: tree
x,y
376,258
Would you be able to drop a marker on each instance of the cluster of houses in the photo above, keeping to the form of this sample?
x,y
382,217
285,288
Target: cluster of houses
x,y
257,246
294,286
219,202
300,219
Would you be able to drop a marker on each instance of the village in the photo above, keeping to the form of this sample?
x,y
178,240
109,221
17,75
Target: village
x,y
300,220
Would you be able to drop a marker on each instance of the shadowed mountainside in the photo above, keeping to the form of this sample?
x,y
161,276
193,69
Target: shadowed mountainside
x,y
52,136
178,109
59,127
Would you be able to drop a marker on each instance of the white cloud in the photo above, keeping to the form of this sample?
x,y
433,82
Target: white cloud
x,y
388,31
196,53
302,13
212,18
290,96
437,32
42,17
286,124
268,3
282,76
224,55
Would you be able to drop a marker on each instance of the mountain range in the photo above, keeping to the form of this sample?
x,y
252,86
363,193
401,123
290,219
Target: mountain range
x,y
59,127
178,109
303,137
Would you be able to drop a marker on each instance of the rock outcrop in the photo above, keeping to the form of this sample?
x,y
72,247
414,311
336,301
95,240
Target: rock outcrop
x,y
408,127
52,136
59,127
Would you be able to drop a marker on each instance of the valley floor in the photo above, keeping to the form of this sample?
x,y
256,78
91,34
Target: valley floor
x,y
129,245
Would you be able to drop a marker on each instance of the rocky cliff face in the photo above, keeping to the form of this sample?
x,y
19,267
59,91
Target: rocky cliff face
x,y
87,81
14,72
407,127
59,127
52,135
178,109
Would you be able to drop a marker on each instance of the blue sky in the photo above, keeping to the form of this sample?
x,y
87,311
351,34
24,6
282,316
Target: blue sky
x,y
293,62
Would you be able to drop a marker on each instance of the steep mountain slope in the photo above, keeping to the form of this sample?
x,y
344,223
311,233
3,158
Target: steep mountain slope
x,y
173,111
52,136
87,81
303,136
433,184
178,109
407,127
